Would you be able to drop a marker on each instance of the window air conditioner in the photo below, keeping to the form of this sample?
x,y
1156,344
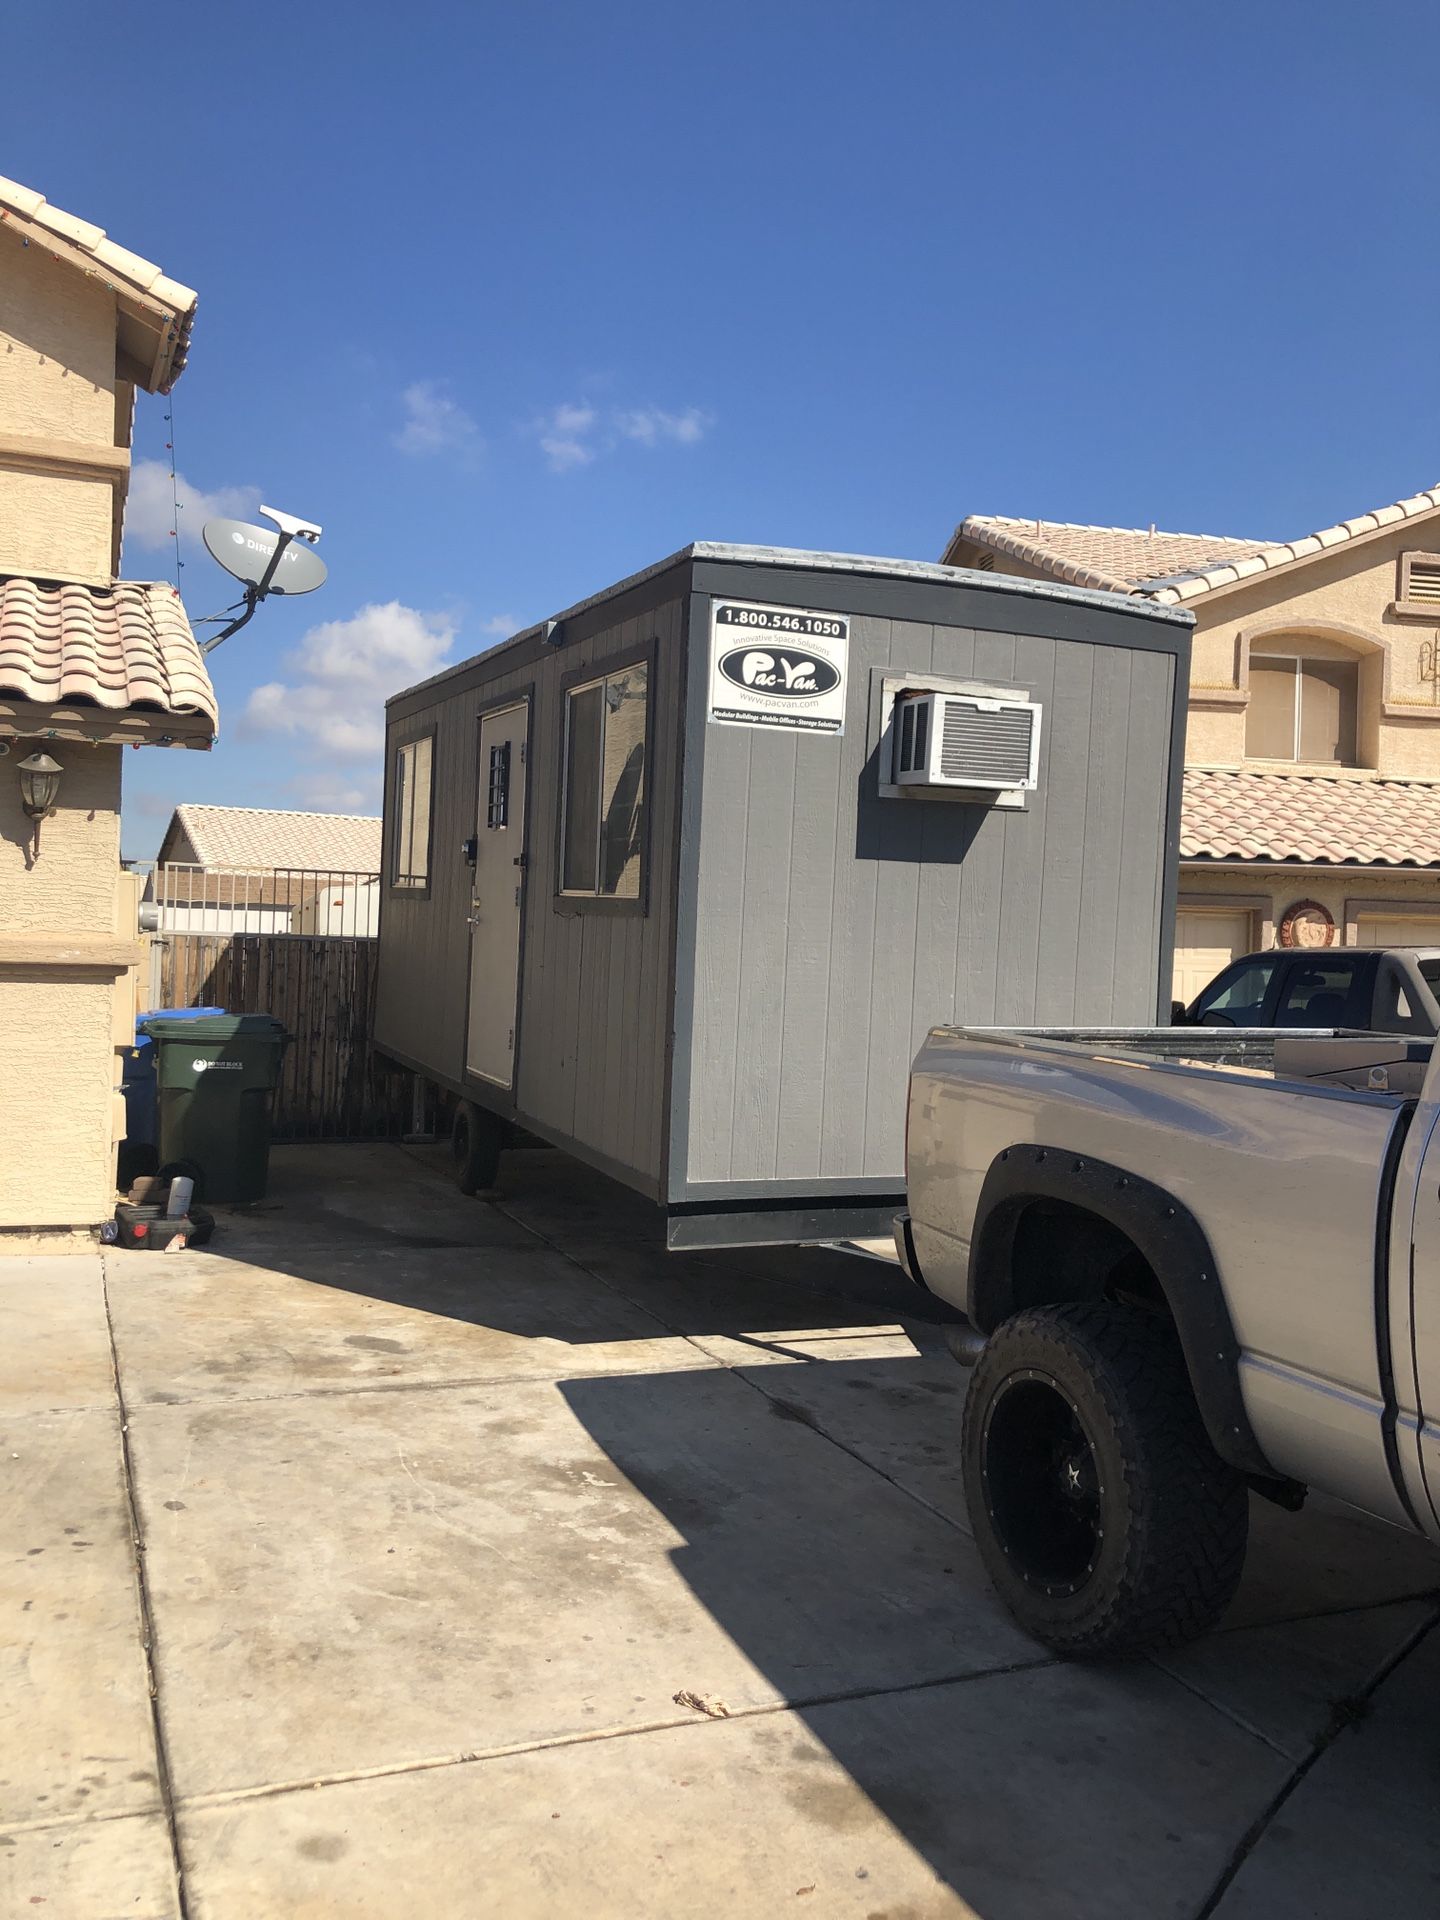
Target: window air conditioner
x,y
966,740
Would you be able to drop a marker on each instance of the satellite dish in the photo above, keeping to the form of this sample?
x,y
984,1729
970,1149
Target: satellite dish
x,y
248,552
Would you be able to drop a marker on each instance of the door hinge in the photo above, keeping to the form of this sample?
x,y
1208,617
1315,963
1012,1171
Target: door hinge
x,y
517,896
522,753
511,1042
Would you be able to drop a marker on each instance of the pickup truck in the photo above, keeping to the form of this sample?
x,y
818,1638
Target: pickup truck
x,y
1377,989
1194,1264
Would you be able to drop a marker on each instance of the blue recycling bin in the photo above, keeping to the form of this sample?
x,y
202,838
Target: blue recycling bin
x,y
138,1083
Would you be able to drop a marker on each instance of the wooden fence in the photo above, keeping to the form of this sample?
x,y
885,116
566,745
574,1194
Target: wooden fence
x,y
320,984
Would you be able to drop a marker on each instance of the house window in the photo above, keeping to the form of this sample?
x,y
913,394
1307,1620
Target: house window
x,y
1302,710
604,809
1419,588
410,845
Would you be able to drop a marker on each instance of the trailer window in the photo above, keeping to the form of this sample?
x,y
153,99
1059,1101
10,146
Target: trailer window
x,y
604,810
410,844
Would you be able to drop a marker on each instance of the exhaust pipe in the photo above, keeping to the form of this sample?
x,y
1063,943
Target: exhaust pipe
x,y
965,1341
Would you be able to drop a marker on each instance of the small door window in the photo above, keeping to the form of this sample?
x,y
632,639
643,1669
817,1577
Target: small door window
x,y
497,805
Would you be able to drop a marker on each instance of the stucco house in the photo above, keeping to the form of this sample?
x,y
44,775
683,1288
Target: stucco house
x,y
1312,784
89,664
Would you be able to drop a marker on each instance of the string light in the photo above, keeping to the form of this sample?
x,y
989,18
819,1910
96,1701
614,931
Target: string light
x,y
174,490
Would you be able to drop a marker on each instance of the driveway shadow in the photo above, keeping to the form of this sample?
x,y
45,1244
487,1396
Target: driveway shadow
x,y
807,1479
1031,1787
386,1224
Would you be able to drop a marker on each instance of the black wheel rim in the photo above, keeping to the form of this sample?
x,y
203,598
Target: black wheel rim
x,y
1042,1486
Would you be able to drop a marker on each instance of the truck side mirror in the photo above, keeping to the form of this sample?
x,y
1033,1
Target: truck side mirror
x,y
1177,1014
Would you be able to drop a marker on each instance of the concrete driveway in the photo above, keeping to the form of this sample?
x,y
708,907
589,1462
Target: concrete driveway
x,y
405,1554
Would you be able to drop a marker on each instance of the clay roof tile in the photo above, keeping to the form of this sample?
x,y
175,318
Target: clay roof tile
x,y
1314,818
127,645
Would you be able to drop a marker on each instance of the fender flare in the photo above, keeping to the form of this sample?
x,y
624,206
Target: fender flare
x,y
1168,1237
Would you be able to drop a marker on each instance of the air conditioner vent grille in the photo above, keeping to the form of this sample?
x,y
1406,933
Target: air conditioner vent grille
x,y
990,749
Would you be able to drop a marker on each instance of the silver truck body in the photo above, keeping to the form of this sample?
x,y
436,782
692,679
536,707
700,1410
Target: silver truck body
x,y
1318,1203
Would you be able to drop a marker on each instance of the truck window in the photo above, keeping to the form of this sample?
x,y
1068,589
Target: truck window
x,y
1398,1006
1317,994
1237,998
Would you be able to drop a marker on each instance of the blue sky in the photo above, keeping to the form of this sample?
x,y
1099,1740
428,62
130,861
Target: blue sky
x,y
517,300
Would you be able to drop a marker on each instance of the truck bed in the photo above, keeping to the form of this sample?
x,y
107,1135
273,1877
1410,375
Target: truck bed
x,y
1341,1058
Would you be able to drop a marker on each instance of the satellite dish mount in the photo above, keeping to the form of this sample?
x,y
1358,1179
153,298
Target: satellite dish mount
x,y
282,562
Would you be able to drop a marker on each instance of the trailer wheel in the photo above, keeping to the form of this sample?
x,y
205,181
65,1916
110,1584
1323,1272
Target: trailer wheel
x,y
1104,1517
476,1138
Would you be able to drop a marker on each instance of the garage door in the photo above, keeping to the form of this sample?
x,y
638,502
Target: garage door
x,y
1390,930
1206,941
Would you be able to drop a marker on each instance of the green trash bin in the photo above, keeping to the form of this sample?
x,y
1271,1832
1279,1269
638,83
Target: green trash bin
x,y
216,1078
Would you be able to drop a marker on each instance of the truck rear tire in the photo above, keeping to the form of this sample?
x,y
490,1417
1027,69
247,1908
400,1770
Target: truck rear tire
x,y
1104,1517
476,1138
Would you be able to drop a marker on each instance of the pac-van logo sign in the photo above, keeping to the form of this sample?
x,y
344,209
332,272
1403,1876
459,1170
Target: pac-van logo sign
x,y
778,667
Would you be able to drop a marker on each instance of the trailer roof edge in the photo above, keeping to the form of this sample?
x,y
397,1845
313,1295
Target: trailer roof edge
x,y
815,562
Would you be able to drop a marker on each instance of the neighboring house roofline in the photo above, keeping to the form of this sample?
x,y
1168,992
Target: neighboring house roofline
x,y
160,311
1059,548
1293,553
254,839
1074,551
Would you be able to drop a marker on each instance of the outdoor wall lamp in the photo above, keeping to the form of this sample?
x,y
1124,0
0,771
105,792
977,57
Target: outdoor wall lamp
x,y
39,784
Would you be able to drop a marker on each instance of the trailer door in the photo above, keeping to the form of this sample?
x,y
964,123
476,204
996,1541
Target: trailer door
x,y
497,896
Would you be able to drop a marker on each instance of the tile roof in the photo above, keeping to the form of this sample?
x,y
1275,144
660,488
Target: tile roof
x,y
122,648
1170,568
1114,559
268,837
1309,818
169,306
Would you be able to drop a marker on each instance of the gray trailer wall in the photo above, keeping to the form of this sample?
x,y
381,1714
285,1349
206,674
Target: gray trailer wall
x,y
594,1019
832,928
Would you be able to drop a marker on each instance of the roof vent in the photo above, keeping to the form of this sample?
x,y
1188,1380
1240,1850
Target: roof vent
x,y
967,740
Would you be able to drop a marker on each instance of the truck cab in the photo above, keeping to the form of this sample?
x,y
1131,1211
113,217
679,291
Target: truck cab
x,y
1373,989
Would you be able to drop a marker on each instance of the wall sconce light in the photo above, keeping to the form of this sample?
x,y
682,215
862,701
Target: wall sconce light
x,y
39,784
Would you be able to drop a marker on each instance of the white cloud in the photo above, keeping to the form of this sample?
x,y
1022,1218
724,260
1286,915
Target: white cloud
x,y
333,702
501,625
565,437
651,425
575,434
434,423
149,513
324,793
